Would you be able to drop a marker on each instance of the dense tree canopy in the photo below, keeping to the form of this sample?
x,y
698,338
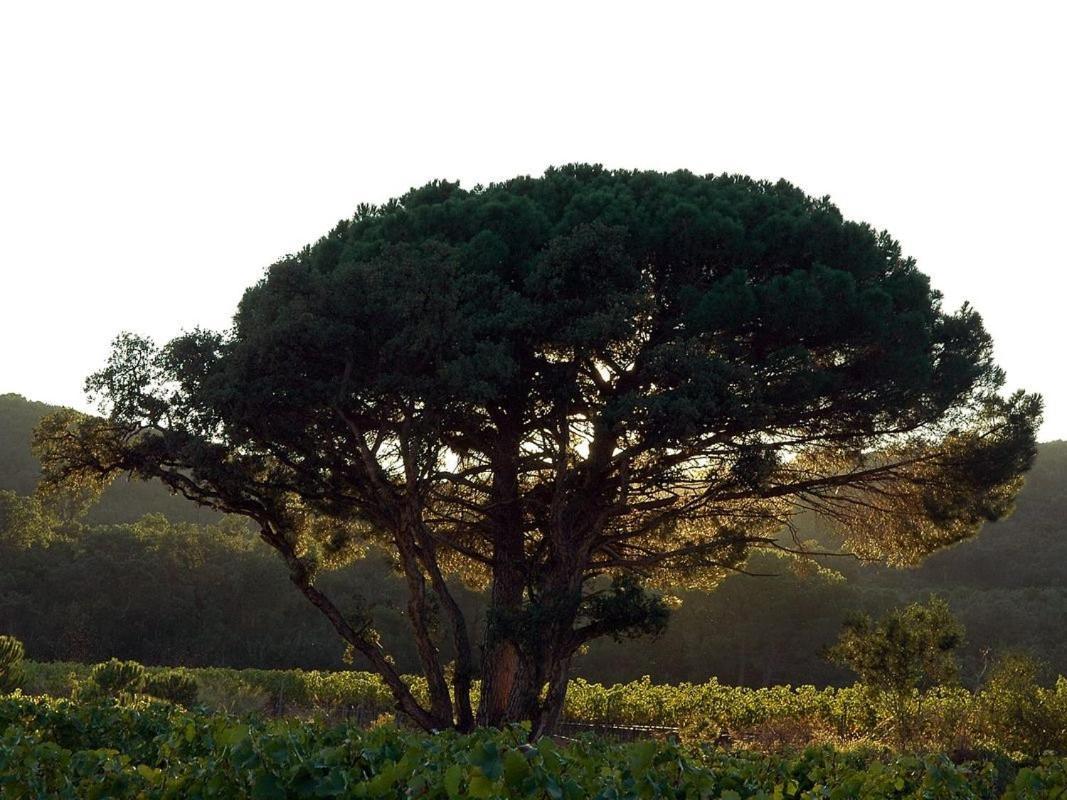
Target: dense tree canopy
x,y
568,389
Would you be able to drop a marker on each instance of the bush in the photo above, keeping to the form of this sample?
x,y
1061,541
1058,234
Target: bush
x,y
175,685
906,652
11,672
116,678
1021,714
219,690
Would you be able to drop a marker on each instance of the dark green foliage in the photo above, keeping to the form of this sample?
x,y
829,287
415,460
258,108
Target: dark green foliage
x,y
153,751
625,610
621,610
11,671
117,678
1009,714
23,521
907,649
904,652
751,630
1025,716
193,595
549,382
176,685
19,470
61,599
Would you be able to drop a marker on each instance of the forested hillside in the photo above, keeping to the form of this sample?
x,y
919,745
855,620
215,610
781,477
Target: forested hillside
x,y
124,501
185,587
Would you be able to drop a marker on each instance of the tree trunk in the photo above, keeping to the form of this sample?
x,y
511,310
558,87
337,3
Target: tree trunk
x,y
525,672
372,650
463,676
502,653
555,699
418,607
524,684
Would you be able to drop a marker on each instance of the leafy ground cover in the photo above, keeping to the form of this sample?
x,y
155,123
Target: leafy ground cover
x,y
1020,717
59,748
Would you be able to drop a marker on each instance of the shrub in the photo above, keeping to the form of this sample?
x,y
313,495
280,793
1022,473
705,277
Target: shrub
x,y
220,690
11,656
1021,714
907,651
116,678
175,685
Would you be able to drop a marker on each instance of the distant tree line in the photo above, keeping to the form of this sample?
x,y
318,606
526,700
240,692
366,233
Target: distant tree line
x,y
178,593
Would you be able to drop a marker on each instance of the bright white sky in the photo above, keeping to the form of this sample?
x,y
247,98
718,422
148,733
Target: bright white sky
x,y
155,158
